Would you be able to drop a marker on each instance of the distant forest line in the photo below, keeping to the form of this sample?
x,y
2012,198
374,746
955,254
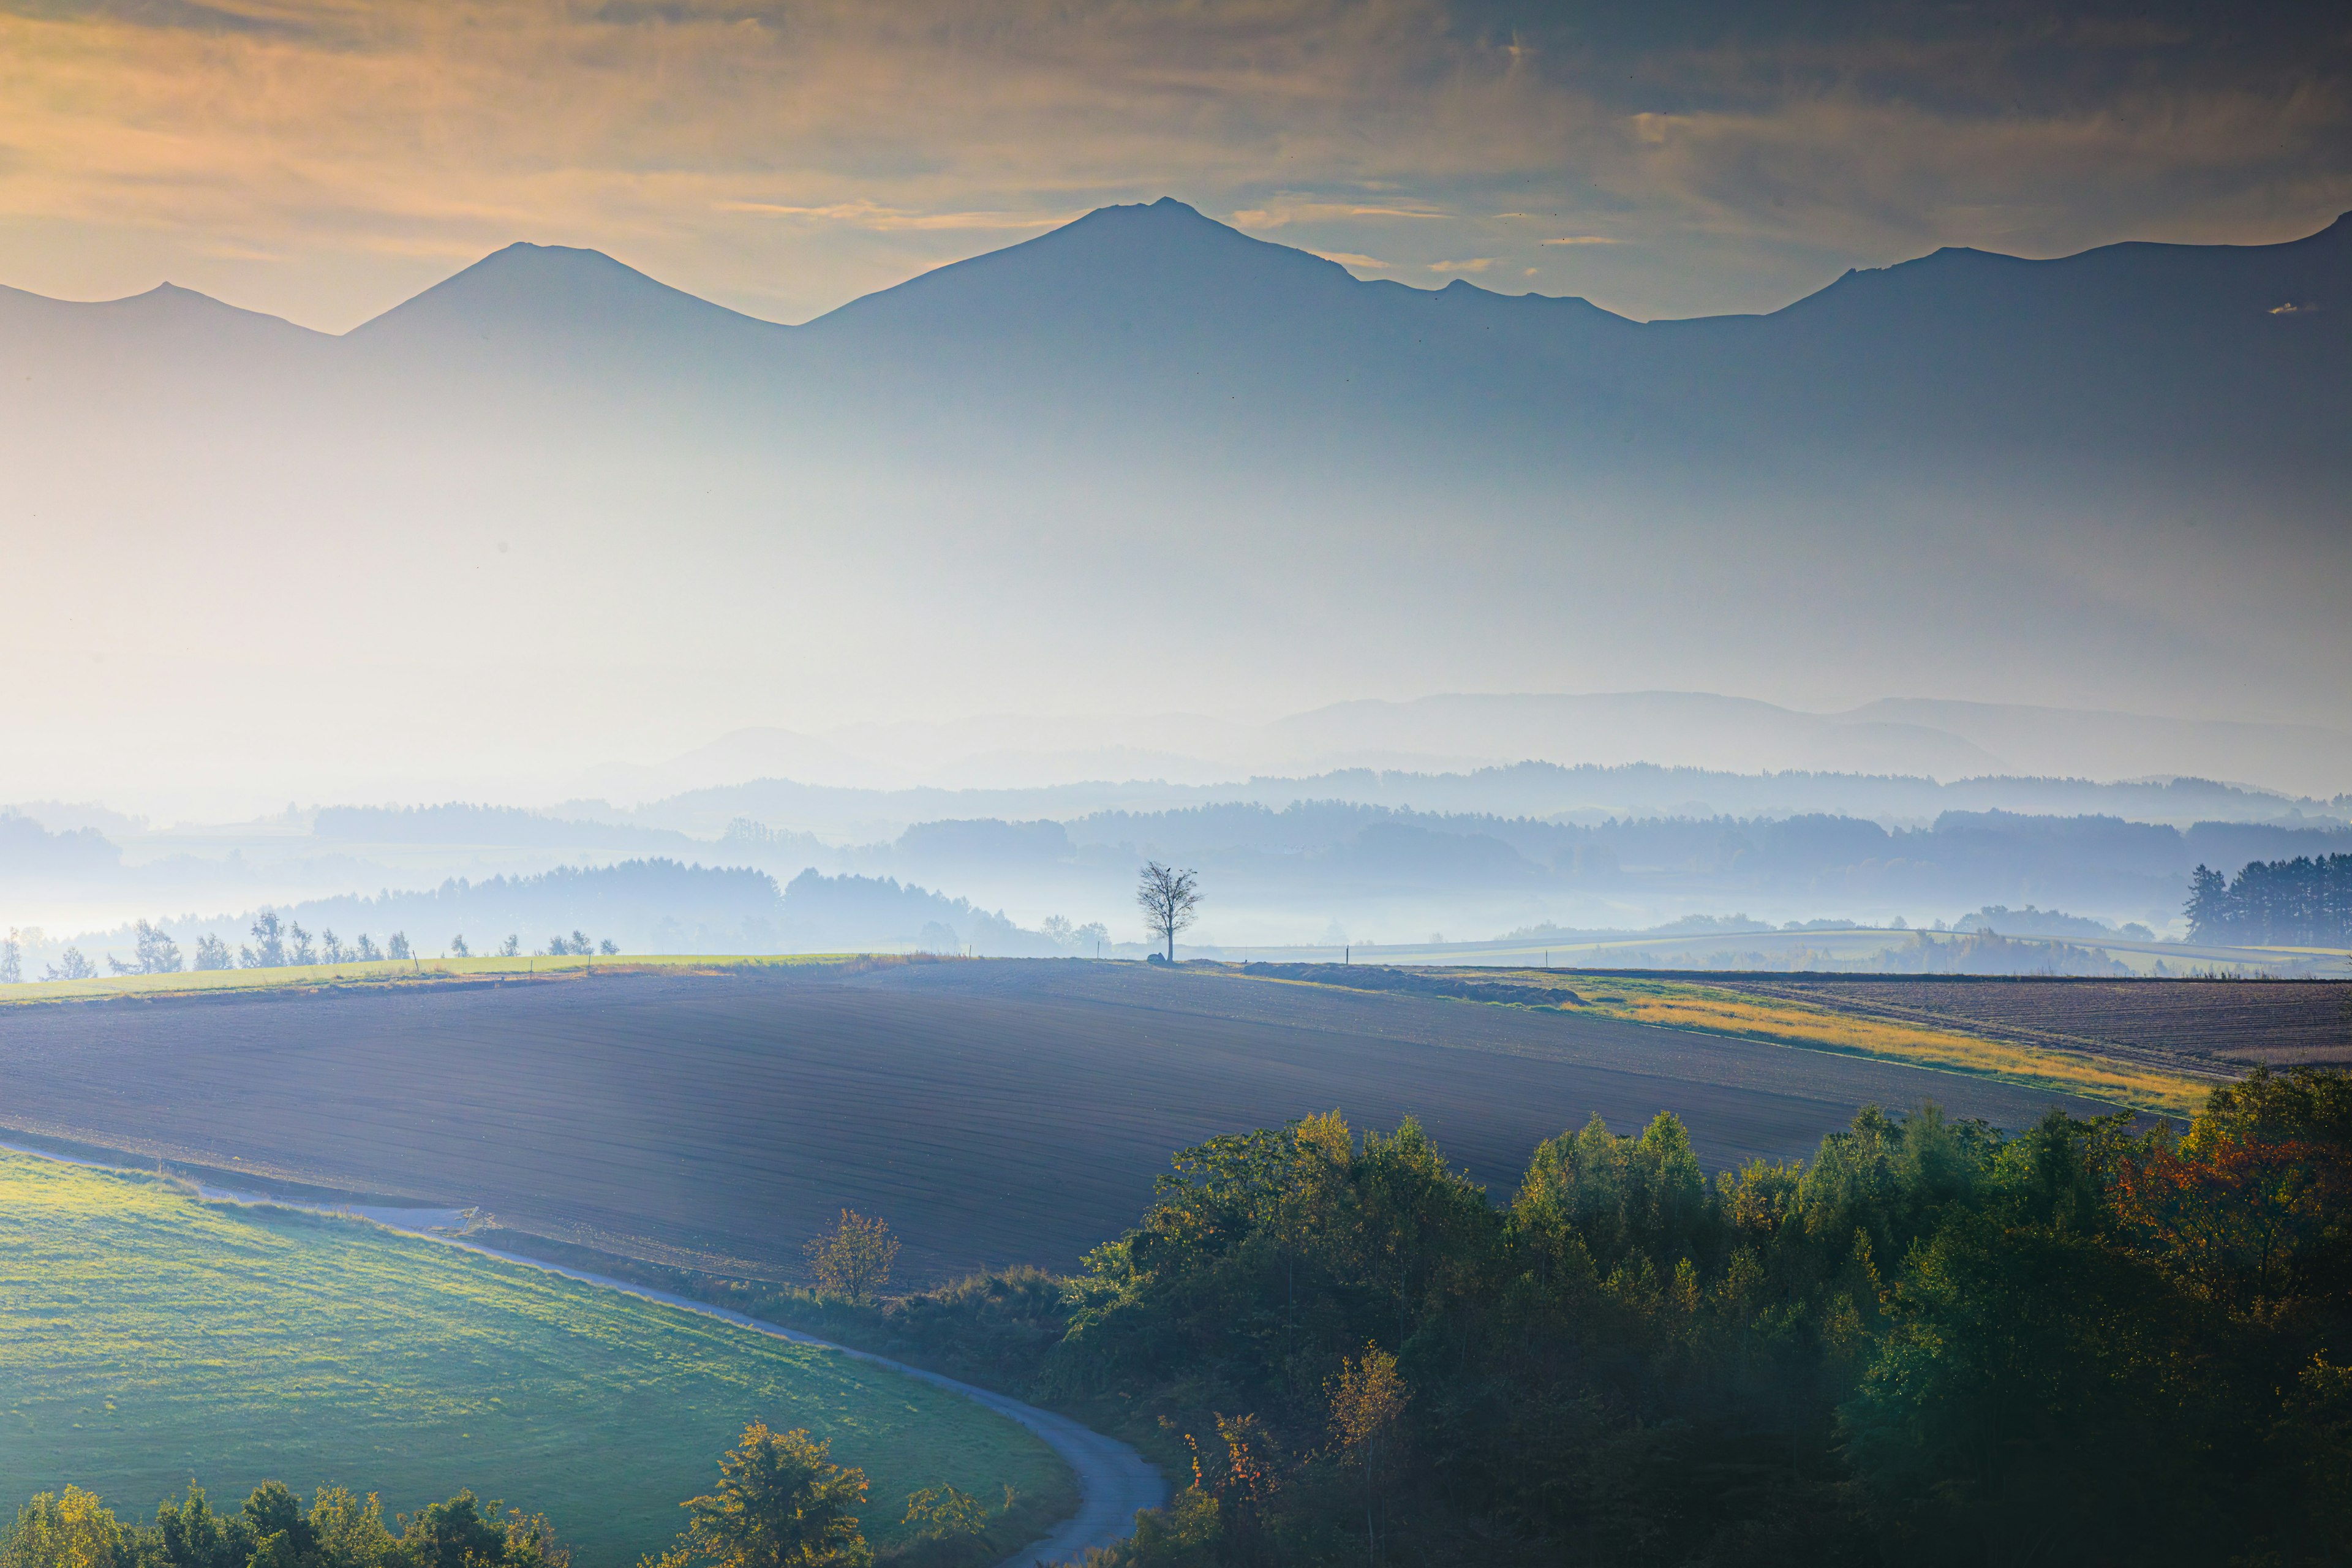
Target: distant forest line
x,y
665,905
1330,851
2303,902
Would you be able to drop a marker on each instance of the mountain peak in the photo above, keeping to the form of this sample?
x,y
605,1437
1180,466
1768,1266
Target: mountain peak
x,y
528,291
1114,267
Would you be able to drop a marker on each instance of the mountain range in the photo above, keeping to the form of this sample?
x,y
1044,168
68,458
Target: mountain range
x,y
1146,463
2144,352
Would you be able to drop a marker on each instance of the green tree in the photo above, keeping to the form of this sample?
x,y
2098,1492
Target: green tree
x,y
67,1530
350,1531
465,1532
193,1536
1368,1401
943,1513
853,1259
780,1503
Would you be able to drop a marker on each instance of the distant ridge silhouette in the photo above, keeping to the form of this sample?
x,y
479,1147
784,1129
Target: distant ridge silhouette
x,y
1162,312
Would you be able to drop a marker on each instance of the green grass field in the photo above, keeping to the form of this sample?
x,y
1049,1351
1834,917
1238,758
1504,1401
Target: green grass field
x,y
395,971
147,1338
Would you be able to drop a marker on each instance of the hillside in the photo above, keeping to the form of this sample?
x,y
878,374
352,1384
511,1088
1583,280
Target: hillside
x,y
993,1113
145,1337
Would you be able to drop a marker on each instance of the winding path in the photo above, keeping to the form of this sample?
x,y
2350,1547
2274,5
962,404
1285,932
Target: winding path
x,y
1114,1481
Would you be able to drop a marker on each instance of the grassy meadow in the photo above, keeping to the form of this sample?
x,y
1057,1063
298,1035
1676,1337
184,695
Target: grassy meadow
x,y
384,971
147,1338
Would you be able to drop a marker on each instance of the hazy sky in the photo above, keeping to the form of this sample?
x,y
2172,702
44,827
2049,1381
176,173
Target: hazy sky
x,y
323,160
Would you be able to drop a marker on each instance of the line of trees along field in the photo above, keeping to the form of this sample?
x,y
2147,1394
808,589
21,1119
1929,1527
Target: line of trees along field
x,y
75,1528
2305,903
780,1502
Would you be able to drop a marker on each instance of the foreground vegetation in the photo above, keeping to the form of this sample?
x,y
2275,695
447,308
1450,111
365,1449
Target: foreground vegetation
x,y
146,1338
75,1528
780,1502
1932,1343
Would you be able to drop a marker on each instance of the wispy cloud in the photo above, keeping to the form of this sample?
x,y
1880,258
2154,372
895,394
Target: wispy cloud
x,y
365,141
182,15
882,219
1477,264
1281,215
1362,263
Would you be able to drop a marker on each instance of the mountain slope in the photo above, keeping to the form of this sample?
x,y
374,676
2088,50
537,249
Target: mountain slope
x,y
556,305
1156,313
1147,462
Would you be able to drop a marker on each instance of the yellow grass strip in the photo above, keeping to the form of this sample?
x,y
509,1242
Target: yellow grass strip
x,y
386,972
1675,1005
1711,1010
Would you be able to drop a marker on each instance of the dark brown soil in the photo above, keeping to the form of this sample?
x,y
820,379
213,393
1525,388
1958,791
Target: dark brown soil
x,y
2225,1023
993,1113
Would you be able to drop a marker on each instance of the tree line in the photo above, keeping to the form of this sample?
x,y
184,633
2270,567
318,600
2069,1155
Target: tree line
x,y
278,944
2303,902
780,1502
2099,1341
75,1528
2090,1342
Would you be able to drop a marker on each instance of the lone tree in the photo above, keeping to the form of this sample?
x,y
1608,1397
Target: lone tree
x,y
854,1259
780,1502
1167,899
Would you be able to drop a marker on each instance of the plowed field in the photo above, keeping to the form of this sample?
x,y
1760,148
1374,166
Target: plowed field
x,y
2228,1023
993,1113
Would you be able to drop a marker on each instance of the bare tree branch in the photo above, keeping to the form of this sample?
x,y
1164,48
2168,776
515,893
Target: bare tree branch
x,y
1168,898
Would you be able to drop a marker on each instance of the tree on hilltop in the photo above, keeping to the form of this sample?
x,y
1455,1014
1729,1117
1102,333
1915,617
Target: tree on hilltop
x,y
1168,898
71,965
153,952
268,949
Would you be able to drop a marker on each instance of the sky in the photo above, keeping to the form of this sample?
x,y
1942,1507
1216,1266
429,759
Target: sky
x,y
322,161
